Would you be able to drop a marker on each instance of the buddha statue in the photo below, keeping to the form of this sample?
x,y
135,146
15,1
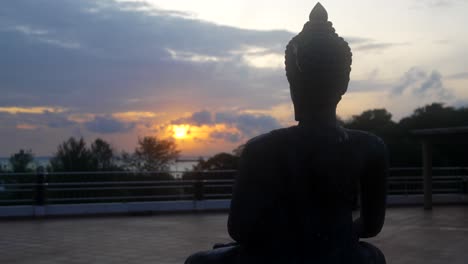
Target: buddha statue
x,y
293,199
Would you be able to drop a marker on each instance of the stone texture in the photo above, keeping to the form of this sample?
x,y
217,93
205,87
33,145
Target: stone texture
x,y
410,235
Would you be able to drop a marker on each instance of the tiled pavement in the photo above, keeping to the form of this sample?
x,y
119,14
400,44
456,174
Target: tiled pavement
x,y
410,235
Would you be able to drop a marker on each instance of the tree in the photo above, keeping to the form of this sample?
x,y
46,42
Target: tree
x,y
220,161
403,148
72,155
375,120
152,154
103,156
435,115
238,151
378,122
20,161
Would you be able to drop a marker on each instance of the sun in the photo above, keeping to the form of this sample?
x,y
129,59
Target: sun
x,y
180,131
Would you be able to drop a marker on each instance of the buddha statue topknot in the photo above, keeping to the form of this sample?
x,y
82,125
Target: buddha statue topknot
x,y
318,63
296,189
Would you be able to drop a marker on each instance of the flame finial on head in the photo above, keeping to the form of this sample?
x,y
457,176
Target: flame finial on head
x,y
318,14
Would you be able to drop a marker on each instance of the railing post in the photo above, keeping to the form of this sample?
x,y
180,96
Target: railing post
x,y
198,187
427,173
40,198
464,185
406,186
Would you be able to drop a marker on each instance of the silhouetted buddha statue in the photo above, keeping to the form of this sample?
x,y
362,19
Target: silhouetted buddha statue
x,y
293,198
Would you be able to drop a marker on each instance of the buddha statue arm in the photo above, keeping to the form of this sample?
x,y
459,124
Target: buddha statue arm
x,y
254,196
373,192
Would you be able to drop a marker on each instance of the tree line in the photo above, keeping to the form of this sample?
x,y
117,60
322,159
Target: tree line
x,y
153,154
73,155
404,149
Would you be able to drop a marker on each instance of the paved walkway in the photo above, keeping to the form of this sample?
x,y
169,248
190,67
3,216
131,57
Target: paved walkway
x,y
410,235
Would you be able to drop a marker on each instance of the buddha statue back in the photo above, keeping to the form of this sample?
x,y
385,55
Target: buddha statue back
x,y
293,199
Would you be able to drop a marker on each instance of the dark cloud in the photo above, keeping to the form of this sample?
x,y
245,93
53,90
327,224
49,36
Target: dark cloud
x,y
226,117
45,119
54,120
409,78
197,118
422,84
105,56
249,124
226,136
96,55
432,82
256,124
108,125
102,56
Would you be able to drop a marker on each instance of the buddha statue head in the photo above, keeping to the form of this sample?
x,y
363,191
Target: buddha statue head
x,y
318,64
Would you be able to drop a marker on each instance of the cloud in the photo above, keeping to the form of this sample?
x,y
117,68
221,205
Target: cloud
x,y
367,85
36,117
31,110
434,3
368,44
460,75
422,84
197,118
25,126
44,36
226,136
120,66
377,46
245,125
133,60
94,55
193,57
54,120
248,124
461,103
108,125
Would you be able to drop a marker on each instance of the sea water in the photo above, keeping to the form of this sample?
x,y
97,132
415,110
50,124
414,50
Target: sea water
x,y
178,167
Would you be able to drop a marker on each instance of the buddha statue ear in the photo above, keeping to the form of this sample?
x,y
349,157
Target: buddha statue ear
x,y
298,109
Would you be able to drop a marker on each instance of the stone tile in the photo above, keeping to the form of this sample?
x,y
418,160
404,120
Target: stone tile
x,y
410,235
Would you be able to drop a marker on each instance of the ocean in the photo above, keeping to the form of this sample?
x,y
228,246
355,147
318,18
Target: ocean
x,y
181,165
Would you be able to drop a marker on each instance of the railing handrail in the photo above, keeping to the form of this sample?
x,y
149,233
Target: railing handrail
x,y
434,168
41,189
113,172
185,171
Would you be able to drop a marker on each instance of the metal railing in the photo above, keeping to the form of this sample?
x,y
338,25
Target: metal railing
x,y
98,187
445,180
108,187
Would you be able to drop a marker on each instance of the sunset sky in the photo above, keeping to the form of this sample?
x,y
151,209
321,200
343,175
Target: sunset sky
x,y
208,73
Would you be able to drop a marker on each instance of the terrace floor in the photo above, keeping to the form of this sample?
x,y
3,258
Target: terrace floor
x,y
410,235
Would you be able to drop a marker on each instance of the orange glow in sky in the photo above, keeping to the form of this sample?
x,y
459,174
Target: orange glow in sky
x,y
181,131
195,140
